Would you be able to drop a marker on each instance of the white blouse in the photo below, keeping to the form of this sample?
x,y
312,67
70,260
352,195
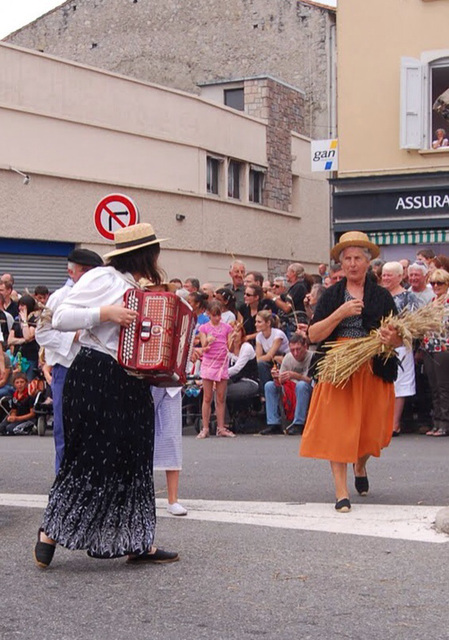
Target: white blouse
x,y
81,308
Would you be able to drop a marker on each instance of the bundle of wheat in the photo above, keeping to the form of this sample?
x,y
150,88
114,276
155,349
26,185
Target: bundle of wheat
x,y
343,358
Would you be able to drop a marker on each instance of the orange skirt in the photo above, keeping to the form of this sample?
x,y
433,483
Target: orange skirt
x,y
346,423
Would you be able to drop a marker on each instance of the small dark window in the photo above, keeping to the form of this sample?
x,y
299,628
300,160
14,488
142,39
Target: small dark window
x,y
213,168
235,99
255,185
234,179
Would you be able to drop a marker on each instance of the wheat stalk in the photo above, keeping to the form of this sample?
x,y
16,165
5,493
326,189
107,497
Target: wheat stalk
x,y
344,358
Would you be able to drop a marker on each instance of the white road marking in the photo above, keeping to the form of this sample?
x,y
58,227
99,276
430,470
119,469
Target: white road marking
x,y
400,522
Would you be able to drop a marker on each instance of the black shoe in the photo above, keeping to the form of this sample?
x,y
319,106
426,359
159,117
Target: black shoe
x,y
272,429
294,429
158,557
43,552
343,505
395,434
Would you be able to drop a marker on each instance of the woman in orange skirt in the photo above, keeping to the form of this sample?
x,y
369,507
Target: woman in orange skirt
x,y
350,424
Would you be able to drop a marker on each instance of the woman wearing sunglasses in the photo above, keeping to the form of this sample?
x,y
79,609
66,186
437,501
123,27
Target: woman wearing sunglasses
x,y
436,357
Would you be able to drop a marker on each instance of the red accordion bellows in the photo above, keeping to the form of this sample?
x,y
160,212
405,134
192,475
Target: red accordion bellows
x,y
158,344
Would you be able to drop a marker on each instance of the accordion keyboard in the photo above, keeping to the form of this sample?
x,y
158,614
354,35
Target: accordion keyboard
x,y
130,333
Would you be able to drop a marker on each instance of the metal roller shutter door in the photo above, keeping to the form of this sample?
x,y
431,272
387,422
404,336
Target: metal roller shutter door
x,y
31,270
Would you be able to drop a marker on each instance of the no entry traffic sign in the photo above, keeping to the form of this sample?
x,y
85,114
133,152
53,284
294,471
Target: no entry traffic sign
x,y
114,212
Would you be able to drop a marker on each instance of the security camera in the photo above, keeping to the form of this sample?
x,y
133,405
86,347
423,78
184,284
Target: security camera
x,y
180,217
26,180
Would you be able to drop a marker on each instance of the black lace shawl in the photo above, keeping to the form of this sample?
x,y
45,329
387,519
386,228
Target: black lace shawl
x,y
378,303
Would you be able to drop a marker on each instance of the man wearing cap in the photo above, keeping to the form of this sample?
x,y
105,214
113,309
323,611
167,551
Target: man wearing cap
x,y
61,347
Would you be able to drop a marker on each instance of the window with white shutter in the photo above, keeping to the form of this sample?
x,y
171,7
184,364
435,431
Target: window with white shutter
x,y
411,125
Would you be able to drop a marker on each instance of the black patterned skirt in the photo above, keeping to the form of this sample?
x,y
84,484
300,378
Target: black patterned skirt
x,y
103,496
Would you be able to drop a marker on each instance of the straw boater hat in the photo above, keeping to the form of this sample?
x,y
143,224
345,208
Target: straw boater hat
x,y
354,239
134,237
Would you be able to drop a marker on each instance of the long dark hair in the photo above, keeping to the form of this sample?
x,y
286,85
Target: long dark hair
x,y
29,302
143,261
229,298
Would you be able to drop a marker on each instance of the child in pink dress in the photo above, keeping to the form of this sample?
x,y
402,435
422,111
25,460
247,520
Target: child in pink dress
x,y
214,337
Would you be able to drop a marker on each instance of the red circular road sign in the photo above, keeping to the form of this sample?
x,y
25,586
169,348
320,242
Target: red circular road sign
x,y
114,212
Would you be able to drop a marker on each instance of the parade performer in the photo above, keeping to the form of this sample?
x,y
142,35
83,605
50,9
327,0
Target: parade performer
x,y
102,499
168,442
61,347
351,423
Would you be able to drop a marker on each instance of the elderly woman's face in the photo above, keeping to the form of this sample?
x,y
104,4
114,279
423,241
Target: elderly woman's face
x,y
354,263
390,279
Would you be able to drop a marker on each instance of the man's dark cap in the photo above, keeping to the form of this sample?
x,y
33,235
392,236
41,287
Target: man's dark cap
x,y
85,258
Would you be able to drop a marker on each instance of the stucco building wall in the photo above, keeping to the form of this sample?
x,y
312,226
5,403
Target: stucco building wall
x,y
75,153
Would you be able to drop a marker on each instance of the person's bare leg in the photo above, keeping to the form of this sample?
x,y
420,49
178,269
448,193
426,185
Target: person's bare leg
x,y
339,471
206,408
360,466
398,409
172,478
220,398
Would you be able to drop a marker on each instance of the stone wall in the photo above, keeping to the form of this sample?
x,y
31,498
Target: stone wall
x,y
283,109
180,43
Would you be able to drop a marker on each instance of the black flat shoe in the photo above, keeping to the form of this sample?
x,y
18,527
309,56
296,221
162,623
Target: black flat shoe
x,y
158,557
271,430
43,551
343,505
395,434
361,484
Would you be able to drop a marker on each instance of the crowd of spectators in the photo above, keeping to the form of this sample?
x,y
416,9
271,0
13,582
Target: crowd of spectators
x,y
268,352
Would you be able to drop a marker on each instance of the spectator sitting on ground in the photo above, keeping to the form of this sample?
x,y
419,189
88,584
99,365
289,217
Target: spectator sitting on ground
x,y
41,294
440,140
405,265
9,305
22,336
253,299
336,273
267,287
417,274
198,302
279,292
208,289
243,372
322,270
177,282
7,277
22,411
295,367
6,319
438,262
271,345
192,285
6,379
311,299
227,302
237,272
253,277
425,255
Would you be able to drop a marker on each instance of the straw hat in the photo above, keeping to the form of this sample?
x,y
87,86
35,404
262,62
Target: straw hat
x,y
132,238
354,239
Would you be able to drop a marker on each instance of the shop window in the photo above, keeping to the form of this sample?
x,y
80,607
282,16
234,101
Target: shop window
x,y
422,83
234,179
235,98
256,180
213,174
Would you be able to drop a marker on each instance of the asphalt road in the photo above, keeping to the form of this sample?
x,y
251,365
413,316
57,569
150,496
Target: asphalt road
x,y
234,580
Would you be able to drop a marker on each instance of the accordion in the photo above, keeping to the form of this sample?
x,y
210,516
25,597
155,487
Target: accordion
x,y
159,343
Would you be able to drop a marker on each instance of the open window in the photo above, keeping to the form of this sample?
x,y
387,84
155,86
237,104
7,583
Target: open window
x,y
213,174
423,86
256,182
234,179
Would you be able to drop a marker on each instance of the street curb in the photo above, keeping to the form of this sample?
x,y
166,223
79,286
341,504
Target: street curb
x,y
442,520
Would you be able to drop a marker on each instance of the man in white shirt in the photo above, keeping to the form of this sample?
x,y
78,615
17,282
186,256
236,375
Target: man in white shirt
x,y
61,347
295,367
417,273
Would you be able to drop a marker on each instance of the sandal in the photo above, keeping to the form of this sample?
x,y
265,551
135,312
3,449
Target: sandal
x,y
431,432
202,434
225,433
440,433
